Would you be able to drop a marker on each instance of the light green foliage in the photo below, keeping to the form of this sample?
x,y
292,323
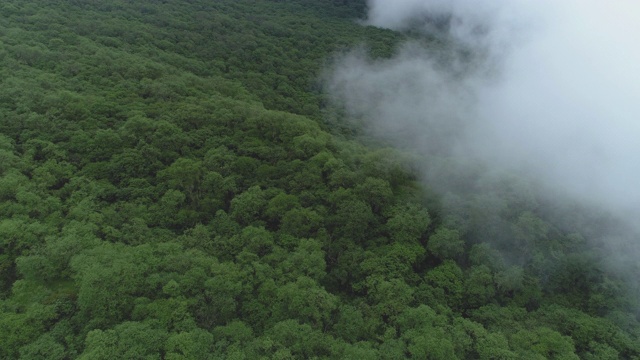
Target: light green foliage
x,y
291,340
220,293
279,205
430,346
394,261
601,351
189,345
185,175
350,324
129,340
45,348
17,330
387,297
447,282
445,244
306,301
102,295
301,222
235,335
377,191
246,208
360,350
352,219
10,183
8,157
478,286
494,346
307,260
408,223
543,343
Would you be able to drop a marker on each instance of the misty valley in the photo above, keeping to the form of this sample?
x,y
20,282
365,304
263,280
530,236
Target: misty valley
x,y
313,179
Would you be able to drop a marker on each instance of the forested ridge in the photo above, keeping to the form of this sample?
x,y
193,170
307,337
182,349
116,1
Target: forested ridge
x,y
174,184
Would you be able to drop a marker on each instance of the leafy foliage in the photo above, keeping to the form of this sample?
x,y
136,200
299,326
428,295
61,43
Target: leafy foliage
x,y
174,185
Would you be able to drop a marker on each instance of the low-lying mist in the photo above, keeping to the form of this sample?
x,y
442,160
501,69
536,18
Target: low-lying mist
x,y
545,92
546,89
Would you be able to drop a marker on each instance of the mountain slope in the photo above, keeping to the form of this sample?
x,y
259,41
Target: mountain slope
x,y
171,186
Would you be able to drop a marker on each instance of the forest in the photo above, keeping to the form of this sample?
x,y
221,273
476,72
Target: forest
x,y
176,184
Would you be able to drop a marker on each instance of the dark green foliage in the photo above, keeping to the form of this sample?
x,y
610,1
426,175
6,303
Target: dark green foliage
x,y
174,185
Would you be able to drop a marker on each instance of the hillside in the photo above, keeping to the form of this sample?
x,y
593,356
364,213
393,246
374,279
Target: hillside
x,y
174,184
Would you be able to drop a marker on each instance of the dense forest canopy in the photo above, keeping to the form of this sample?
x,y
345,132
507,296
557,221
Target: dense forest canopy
x,y
174,184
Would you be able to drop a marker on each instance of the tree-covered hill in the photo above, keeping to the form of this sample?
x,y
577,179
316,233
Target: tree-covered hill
x,y
172,186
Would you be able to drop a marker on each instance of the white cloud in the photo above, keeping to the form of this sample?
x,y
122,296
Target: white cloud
x,y
558,96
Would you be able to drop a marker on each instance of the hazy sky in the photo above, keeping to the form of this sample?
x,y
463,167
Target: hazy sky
x,y
556,94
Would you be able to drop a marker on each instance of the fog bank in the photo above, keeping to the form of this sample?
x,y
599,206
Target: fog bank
x,y
553,90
